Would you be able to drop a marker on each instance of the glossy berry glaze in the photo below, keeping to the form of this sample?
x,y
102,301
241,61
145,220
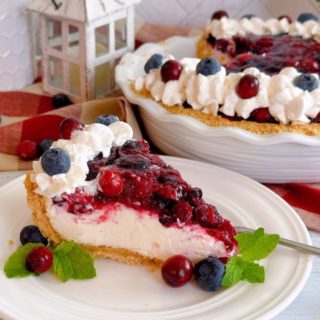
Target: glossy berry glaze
x,y
147,184
270,54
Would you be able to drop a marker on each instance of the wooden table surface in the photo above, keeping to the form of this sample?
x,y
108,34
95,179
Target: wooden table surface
x,y
307,304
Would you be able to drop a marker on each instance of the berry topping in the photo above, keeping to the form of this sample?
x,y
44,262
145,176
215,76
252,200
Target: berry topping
x,y
261,115
138,162
248,86
177,271
182,211
186,105
60,100
55,161
27,150
208,66
171,70
111,183
45,145
209,273
306,82
39,260
207,216
316,119
154,62
248,16
303,17
68,125
107,119
32,234
310,65
285,17
219,14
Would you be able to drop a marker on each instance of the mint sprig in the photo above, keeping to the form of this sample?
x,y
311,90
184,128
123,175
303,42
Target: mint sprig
x,y
15,266
251,247
70,261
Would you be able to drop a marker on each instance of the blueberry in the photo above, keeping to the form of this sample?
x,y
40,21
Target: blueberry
x,y
209,273
60,100
107,119
32,234
306,81
55,161
248,16
137,162
154,62
303,17
208,66
45,145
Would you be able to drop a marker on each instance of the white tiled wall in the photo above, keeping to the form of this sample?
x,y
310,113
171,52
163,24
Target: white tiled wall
x,y
194,13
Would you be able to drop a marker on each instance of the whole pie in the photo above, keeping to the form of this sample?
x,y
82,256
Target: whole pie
x,y
262,76
110,194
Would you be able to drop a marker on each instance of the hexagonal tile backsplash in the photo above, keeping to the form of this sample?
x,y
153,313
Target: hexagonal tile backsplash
x,y
15,47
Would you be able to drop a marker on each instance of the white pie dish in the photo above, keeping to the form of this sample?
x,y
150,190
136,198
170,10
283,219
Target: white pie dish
x,y
277,158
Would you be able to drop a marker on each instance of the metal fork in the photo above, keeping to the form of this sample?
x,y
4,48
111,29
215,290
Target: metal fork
x,y
288,243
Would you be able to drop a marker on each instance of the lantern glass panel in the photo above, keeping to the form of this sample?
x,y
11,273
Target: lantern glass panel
x,y
54,34
73,41
55,72
121,33
74,78
102,79
102,40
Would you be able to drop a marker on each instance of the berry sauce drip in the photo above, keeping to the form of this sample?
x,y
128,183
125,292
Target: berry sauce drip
x,y
270,54
141,180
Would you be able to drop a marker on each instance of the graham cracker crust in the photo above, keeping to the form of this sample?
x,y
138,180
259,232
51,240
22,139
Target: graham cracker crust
x,y
38,205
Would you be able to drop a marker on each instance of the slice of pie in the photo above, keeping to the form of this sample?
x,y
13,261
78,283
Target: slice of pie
x,y
109,194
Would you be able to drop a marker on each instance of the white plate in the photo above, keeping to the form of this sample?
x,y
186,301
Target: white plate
x,y
277,158
126,292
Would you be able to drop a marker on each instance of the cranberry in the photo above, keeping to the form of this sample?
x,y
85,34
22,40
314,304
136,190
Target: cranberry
x,y
168,191
261,115
248,86
68,125
182,211
292,63
310,65
226,46
285,17
207,216
111,183
171,70
39,260
177,271
219,14
244,57
243,44
27,150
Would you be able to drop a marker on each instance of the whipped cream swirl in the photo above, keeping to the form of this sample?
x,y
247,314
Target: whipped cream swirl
x,y
83,146
226,28
210,94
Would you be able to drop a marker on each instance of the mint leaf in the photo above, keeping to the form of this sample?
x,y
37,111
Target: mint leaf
x,y
64,248
15,266
234,272
62,266
82,263
255,246
239,269
252,272
73,262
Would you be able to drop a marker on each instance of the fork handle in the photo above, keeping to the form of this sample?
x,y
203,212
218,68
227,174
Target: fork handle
x,y
300,246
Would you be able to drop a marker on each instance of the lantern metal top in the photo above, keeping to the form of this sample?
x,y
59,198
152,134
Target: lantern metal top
x,y
79,10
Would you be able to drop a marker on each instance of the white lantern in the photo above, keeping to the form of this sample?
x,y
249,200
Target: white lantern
x,y
81,41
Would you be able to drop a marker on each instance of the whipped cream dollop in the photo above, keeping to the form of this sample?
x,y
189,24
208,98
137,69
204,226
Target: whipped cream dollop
x,y
83,146
226,28
209,94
